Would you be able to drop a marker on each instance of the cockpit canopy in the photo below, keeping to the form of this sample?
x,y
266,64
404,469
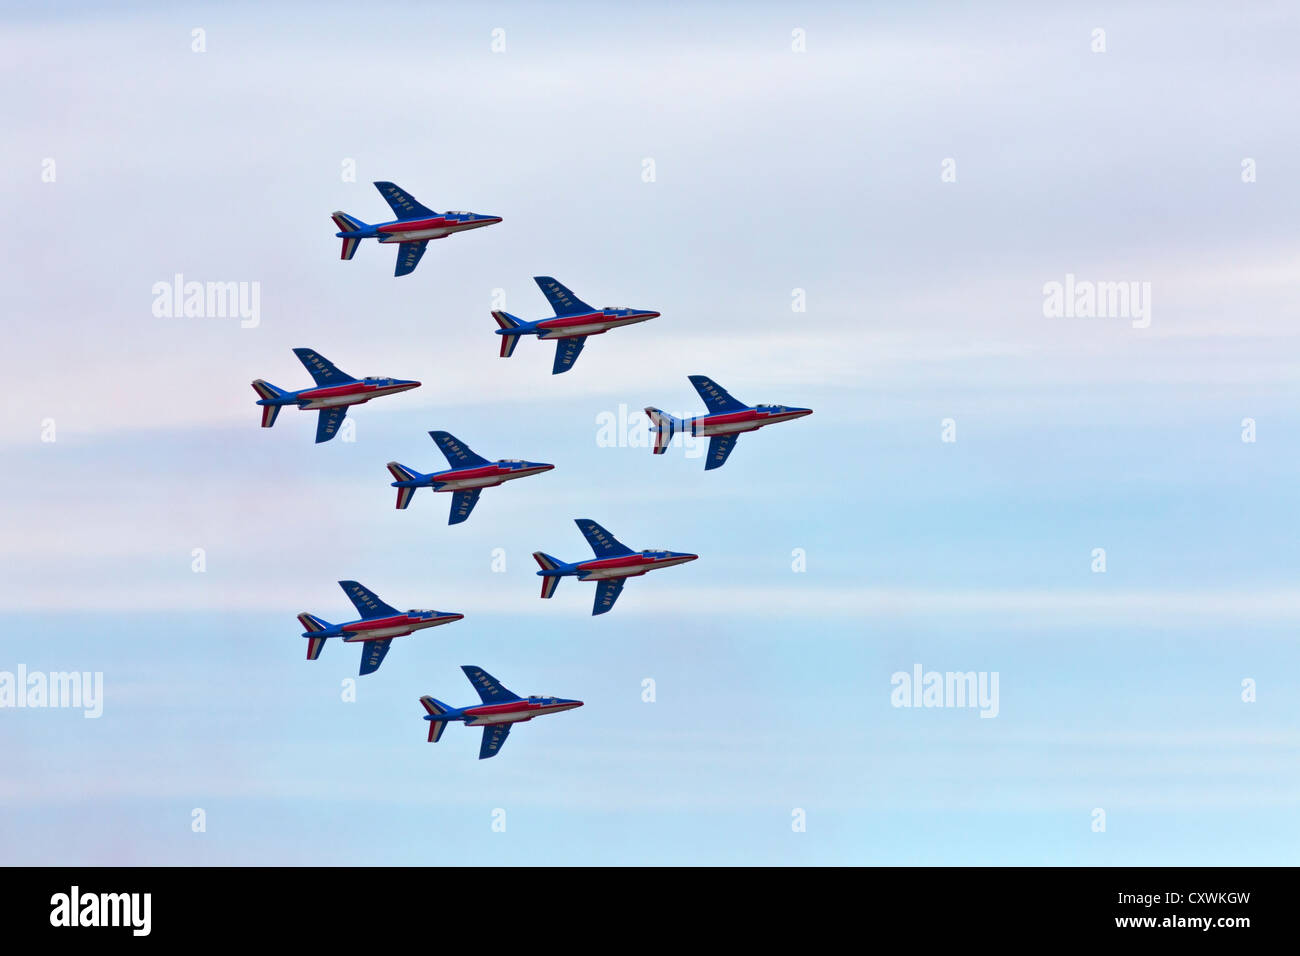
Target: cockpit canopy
x,y
380,379
423,611
772,408
543,700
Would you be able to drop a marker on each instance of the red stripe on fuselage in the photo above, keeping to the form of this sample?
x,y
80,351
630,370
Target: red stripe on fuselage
x,y
481,471
336,391
382,622
415,225
624,561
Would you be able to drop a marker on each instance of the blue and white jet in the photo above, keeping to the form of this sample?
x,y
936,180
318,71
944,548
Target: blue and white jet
x,y
724,421
614,563
332,395
378,625
499,710
468,475
574,321
413,228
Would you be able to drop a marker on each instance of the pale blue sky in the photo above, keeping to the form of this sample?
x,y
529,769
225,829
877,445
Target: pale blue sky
x,y
775,171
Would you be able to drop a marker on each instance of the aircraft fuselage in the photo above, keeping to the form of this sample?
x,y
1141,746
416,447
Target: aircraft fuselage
x,y
419,230
628,565
349,393
514,711
382,628
483,476
751,419
590,323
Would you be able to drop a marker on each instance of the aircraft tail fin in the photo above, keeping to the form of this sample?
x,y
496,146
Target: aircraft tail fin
x,y
347,224
271,399
509,331
665,427
435,708
547,563
402,473
313,625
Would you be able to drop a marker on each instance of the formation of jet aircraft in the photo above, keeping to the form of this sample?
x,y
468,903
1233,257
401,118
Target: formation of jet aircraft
x,y
722,424
500,709
374,630
414,228
468,473
574,323
613,564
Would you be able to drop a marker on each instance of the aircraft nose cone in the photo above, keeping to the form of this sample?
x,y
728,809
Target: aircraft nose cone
x,y
688,556
654,315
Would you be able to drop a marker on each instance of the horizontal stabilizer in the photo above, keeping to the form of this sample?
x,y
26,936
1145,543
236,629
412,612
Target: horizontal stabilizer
x,y
402,473
510,339
549,581
266,392
664,426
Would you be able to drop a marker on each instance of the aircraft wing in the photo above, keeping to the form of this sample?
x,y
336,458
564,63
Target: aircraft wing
x,y
372,655
567,352
719,448
604,544
489,688
404,205
494,735
562,300
607,592
715,396
322,370
456,452
327,425
408,257
366,603
462,503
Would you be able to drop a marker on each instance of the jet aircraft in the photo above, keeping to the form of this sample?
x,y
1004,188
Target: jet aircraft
x,y
468,475
500,709
574,321
613,565
378,625
333,393
724,421
413,228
